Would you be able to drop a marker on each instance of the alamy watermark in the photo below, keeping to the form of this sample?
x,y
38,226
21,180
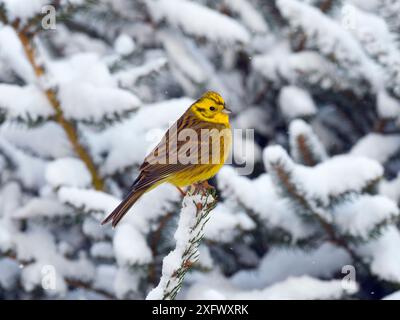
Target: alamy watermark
x,y
49,20
349,283
203,147
49,277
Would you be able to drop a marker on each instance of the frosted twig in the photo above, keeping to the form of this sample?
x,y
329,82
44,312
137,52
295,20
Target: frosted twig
x,y
193,217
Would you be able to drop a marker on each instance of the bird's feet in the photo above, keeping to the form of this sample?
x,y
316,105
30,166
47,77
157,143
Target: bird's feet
x,y
201,187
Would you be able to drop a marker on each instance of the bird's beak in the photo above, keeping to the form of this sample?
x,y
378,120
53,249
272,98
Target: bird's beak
x,y
226,110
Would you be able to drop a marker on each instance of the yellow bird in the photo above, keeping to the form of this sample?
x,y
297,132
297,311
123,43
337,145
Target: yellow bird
x,y
191,152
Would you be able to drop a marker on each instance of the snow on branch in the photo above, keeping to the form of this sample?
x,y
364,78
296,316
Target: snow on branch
x,y
88,201
260,200
303,288
225,225
26,104
306,68
332,41
293,288
295,102
69,172
28,170
194,215
23,10
88,92
12,53
383,255
364,216
333,178
130,246
129,77
39,207
250,16
305,146
199,20
374,34
389,145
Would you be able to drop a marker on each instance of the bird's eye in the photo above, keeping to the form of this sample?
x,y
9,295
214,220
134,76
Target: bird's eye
x,y
212,108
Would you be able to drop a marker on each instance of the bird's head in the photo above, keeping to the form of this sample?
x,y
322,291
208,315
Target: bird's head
x,y
211,107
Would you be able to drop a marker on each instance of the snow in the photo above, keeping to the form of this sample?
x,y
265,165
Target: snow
x,y
205,258
293,288
71,42
387,106
394,296
199,20
102,250
187,231
250,17
31,139
373,32
5,237
20,9
336,176
104,278
359,216
367,5
88,200
126,282
181,55
124,45
29,170
99,103
331,38
85,80
391,189
295,102
297,288
281,263
92,228
39,207
383,255
130,246
70,172
367,146
224,225
259,196
10,198
299,128
25,103
9,273
13,55
39,245
252,117
245,152
129,77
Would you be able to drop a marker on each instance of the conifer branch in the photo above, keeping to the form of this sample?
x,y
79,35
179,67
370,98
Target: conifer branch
x,y
284,178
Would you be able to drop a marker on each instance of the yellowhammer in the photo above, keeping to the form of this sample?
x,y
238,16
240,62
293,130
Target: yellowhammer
x,y
191,152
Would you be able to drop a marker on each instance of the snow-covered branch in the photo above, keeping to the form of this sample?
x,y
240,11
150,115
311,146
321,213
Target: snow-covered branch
x,y
194,215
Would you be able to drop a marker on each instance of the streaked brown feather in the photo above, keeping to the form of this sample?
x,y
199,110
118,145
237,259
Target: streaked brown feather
x,y
153,173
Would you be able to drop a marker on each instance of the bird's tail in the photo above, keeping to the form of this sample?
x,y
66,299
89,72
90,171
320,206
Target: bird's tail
x,y
124,206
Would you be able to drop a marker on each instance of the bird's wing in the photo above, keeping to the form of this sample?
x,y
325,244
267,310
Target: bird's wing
x,y
162,161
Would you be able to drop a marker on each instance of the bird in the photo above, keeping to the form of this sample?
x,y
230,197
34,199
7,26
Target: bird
x,y
183,161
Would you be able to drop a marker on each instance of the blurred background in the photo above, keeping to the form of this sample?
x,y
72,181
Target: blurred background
x,y
86,87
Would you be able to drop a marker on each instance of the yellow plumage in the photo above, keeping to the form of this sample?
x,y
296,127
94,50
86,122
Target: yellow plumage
x,y
182,162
